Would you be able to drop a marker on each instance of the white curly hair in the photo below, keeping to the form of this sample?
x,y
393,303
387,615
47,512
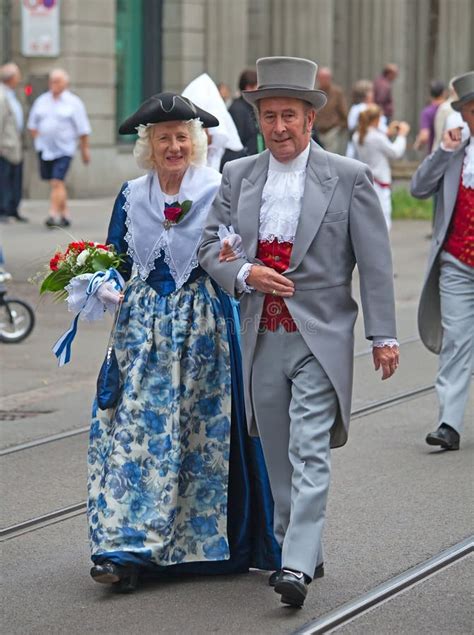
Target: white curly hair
x,y
142,150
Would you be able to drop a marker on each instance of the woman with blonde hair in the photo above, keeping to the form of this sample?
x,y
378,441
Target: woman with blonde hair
x,y
362,98
175,484
376,149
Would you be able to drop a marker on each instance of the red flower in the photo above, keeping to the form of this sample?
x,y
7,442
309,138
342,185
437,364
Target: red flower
x,y
100,246
173,213
55,260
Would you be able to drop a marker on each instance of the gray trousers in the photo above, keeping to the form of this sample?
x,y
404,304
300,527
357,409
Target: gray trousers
x,y
456,359
295,407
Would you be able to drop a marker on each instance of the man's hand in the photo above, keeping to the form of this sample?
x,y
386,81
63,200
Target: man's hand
x,y
387,357
452,138
86,155
266,280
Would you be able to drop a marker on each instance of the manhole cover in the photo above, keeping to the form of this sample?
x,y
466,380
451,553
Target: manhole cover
x,y
14,415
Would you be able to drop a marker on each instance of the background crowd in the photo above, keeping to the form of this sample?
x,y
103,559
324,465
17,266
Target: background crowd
x,y
58,122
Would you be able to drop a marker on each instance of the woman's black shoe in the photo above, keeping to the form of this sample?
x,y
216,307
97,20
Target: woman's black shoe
x,y
122,579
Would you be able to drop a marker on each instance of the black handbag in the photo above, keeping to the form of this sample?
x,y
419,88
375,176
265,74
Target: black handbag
x,y
108,381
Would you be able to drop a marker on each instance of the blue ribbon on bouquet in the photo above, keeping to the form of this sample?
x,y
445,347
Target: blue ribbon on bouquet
x,y
62,348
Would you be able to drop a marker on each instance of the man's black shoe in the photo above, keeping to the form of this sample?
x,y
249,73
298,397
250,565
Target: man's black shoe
x,y
318,573
293,587
444,436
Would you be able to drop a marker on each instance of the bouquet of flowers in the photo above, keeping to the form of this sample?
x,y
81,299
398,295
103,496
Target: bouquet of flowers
x,y
85,275
79,258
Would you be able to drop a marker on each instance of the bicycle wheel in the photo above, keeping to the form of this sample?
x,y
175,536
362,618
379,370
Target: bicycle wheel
x,y
17,320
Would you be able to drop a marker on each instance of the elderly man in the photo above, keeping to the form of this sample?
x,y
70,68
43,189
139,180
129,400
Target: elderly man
x,y
11,127
383,90
331,124
57,120
446,311
306,217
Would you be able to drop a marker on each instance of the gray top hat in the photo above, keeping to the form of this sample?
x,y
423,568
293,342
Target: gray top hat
x,y
464,87
286,77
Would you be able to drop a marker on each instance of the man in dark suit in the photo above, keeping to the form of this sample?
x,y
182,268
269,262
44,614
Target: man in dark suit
x,y
244,118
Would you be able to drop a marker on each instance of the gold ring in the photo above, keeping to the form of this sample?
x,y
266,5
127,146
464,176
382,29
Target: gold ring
x,y
274,292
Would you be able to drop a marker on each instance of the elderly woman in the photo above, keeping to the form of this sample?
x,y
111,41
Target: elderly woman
x,y
175,484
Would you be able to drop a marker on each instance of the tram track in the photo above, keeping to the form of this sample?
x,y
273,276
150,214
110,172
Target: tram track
x,y
378,595
64,513
28,445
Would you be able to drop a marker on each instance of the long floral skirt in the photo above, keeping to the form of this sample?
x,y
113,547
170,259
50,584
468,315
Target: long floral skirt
x,y
159,462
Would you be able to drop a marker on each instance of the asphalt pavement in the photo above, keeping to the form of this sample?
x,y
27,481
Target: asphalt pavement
x,y
394,501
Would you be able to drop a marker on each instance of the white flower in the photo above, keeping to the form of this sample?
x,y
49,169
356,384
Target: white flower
x,y
82,257
101,250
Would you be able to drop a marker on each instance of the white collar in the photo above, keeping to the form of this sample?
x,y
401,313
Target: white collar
x,y
146,234
295,165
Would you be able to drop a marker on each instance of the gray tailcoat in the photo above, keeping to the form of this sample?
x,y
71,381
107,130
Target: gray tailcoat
x,y
341,224
439,174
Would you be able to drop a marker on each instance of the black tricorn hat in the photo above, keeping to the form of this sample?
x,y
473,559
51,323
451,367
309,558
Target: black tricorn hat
x,y
166,107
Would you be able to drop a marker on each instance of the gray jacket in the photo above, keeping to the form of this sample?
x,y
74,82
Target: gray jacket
x,y
341,224
10,138
439,174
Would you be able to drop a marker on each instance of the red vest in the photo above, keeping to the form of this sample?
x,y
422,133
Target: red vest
x,y
275,312
460,237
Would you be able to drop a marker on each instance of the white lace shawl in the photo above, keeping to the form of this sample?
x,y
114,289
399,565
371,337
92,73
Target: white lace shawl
x,y
146,236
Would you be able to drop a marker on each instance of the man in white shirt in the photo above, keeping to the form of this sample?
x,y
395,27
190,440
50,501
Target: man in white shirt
x,y
11,128
292,206
57,120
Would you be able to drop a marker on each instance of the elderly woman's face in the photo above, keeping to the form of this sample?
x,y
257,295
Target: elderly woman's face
x,y
171,146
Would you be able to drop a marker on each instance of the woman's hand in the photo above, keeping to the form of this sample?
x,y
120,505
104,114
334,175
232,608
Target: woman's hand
x,y
231,248
226,253
403,128
108,294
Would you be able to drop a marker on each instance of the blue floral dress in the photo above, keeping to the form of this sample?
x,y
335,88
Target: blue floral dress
x,y
175,484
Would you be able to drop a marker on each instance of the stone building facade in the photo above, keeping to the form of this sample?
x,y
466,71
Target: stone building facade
x,y
118,52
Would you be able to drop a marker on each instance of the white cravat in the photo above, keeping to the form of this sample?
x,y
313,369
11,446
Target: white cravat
x,y
282,197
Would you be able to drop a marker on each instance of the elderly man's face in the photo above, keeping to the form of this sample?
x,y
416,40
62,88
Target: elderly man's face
x,y
57,83
467,112
171,147
286,125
